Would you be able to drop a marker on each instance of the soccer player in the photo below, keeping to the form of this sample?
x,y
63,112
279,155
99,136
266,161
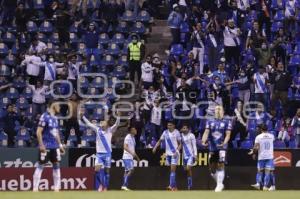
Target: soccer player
x,y
217,133
128,156
189,152
50,147
172,139
104,134
265,149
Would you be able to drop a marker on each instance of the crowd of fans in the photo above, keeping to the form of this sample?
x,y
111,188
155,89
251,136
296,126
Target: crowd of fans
x,y
228,52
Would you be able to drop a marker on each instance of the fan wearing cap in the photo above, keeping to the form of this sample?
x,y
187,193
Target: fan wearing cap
x,y
135,54
232,42
174,21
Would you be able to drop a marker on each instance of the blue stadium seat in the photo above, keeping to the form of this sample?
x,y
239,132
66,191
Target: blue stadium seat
x,y
22,103
122,61
279,16
54,38
279,144
72,139
119,39
73,28
108,60
98,114
15,49
275,6
27,93
93,61
42,37
23,138
138,28
104,39
184,27
247,144
113,49
275,26
88,138
84,83
122,28
177,50
98,82
8,38
73,38
119,72
92,6
292,144
38,4
46,27
128,16
252,16
12,94
10,60
144,17
293,64
31,27
4,102
3,50
81,48
3,138
100,50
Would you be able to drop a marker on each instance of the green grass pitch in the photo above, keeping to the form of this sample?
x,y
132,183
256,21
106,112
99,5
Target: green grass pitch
x,y
152,195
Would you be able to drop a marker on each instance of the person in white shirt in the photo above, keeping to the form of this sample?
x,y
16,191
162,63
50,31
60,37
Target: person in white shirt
x,y
155,120
261,90
39,92
50,69
32,63
73,70
243,5
232,43
190,153
128,156
104,135
198,43
147,73
38,46
172,140
264,146
290,14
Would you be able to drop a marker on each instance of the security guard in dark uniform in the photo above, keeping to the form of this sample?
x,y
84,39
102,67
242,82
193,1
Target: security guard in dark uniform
x,y
136,53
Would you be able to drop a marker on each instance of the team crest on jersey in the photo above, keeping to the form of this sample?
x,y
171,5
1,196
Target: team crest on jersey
x,y
222,125
217,135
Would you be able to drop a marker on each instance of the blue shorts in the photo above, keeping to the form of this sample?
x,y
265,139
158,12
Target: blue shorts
x,y
103,159
171,160
128,164
188,161
265,164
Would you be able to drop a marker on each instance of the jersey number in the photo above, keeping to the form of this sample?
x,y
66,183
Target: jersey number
x,y
267,146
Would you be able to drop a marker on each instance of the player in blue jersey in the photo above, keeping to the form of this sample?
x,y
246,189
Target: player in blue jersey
x,y
265,148
128,156
189,148
50,147
216,137
172,139
104,135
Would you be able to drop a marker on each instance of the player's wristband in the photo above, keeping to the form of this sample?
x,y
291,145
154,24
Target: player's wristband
x,y
60,146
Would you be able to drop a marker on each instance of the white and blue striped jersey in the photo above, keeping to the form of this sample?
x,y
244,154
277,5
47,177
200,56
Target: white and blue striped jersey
x,y
189,146
103,138
171,141
266,146
130,142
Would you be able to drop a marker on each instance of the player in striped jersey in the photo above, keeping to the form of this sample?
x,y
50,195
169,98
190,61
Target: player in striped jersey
x,y
217,133
128,156
104,134
50,147
172,139
189,148
265,148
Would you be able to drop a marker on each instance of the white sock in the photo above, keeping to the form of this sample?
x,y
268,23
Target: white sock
x,y
220,176
56,179
37,177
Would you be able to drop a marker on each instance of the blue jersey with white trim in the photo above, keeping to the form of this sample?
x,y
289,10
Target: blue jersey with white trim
x,y
217,132
50,127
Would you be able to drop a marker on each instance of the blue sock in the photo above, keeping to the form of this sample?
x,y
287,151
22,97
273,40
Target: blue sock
x,y
258,178
267,179
172,180
107,176
126,178
97,180
272,176
101,177
190,182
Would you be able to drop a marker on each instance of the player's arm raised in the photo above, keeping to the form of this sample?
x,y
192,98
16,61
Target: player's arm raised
x,y
89,124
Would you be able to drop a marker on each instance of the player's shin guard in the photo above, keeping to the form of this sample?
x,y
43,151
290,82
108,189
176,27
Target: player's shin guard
x,y
190,182
259,178
267,179
37,177
173,180
220,176
56,176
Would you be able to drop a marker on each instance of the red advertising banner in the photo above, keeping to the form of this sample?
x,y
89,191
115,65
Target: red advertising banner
x,y
20,179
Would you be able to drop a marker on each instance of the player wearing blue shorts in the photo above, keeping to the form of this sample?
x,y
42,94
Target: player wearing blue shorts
x,y
50,147
104,134
265,148
128,156
217,133
172,139
189,148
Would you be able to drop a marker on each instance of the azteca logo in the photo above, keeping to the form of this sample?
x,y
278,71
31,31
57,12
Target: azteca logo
x,y
282,159
88,160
